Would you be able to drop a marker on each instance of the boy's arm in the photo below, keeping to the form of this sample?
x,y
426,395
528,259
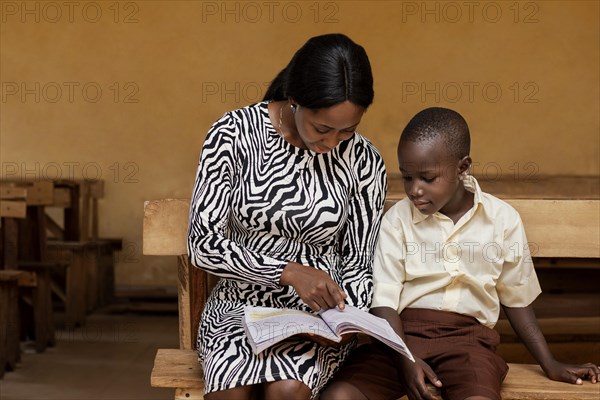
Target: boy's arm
x,y
413,374
524,323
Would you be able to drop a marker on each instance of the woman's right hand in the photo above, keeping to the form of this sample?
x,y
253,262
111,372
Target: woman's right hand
x,y
315,287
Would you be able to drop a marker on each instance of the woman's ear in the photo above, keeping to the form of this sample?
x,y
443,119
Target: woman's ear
x,y
293,105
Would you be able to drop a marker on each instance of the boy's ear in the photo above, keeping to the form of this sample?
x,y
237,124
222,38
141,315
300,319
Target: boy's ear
x,y
464,165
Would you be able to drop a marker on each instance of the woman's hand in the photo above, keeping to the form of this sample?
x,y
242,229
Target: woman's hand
x,y
315,287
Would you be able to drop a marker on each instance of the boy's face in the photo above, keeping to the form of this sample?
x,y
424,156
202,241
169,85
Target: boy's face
x,y
431,175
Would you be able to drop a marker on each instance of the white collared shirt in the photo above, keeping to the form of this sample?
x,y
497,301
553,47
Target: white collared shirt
x,y
471,267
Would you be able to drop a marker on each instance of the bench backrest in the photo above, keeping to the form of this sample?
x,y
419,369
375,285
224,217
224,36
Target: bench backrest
x,y
555,228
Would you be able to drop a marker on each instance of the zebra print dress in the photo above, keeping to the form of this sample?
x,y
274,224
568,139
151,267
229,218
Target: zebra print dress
x,y
259,202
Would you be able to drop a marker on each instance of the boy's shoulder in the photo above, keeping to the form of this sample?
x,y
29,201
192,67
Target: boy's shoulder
x,y
497,208
399,212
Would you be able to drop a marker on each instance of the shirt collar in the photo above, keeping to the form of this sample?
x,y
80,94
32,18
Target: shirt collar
x,y
470,184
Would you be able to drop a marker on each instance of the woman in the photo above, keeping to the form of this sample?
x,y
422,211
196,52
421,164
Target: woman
x,y
286,209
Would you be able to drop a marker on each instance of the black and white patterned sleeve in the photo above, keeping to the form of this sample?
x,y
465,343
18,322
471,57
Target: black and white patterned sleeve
x,y
208,245
362,227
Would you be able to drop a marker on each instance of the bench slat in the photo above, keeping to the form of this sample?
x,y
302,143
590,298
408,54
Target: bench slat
x,y
561,228
556,228
165,227
527,381
175,368
557,329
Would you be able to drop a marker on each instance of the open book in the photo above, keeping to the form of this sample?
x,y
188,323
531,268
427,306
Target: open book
x,y
266,326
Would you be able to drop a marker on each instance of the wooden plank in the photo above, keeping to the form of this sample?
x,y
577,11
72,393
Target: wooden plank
x,y
28,279
13,209
71,215
10,243
558,228
10,275
165,227
177,369
528,381
166,221
10,192
10,352
84,222
186,337
561,228
62,198
35,193
95,222
181,369
189,394
569,352
522,186
40,193
557,329
96,189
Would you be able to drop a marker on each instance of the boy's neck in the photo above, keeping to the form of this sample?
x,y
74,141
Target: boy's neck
x,y
459,205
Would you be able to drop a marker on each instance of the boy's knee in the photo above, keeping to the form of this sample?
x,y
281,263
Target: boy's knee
x,y
341,391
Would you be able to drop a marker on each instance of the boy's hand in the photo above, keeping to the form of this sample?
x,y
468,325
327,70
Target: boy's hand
x,y
414,375
572,373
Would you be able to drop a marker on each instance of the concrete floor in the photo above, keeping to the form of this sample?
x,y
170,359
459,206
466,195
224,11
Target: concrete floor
x,y
110,358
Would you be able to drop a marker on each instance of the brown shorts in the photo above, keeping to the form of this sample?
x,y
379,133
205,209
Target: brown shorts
x,y
458,348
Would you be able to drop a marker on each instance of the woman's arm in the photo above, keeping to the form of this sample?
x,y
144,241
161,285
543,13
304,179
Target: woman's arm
x,y
208,245
362,227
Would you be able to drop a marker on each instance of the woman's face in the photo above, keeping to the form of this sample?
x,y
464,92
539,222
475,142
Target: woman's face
x,y
322,129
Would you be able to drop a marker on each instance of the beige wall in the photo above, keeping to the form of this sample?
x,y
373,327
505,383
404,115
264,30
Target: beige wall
x,y
167,70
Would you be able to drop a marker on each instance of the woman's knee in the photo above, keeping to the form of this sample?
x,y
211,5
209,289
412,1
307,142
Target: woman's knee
x,y
238,393
342,391
287,389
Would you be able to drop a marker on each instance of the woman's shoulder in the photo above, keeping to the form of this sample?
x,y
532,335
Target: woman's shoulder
x,y
365,151
252,113
236,120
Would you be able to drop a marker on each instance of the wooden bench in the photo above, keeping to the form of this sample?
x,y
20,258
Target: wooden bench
x,y
88,282
23,247
558,228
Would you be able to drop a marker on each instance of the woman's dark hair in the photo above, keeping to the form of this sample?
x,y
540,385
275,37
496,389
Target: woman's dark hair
x,y
327,70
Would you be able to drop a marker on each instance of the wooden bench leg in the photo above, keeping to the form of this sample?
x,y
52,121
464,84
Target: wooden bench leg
x,y
71,285
189,394
10,352
43,313
92,265
38,295
76,284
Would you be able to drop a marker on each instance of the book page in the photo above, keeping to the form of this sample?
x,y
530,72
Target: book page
x,y
354,320
266,326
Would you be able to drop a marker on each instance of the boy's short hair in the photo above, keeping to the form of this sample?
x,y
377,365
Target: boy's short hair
x,y
438,122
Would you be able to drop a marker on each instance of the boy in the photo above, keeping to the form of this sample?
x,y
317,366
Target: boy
x,y
448,256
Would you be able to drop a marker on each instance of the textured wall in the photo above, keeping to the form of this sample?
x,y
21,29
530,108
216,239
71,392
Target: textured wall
x,y
127,90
